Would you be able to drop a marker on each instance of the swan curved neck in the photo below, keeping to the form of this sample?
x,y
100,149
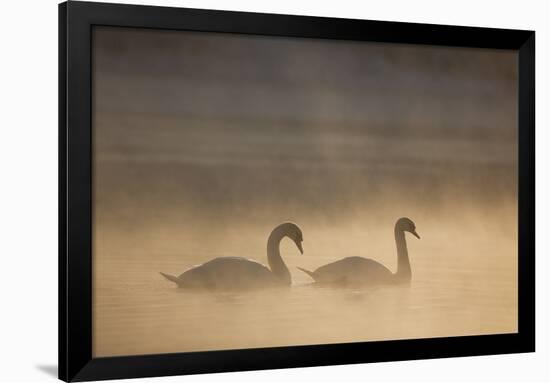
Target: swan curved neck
x,y
403,273
276,263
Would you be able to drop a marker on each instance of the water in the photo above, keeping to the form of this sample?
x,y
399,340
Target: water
x,y
204,142
460,287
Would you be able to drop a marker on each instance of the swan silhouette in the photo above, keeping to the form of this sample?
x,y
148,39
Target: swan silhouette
x,y
228,273
353,271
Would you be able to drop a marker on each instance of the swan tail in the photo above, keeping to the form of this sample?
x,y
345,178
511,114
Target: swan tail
x,y
171,278
310,273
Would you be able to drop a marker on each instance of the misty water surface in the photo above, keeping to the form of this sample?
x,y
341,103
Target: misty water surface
x,y
203,143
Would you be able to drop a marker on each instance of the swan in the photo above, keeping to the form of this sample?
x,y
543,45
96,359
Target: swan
x,y
228,273
353,271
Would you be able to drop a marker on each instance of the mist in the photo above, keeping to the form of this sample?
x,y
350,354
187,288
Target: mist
x,y
204,142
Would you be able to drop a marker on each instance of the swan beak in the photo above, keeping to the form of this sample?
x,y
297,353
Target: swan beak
x,y
299,244
415,234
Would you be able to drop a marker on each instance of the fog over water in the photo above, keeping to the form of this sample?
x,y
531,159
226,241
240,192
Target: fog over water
x,y
204,142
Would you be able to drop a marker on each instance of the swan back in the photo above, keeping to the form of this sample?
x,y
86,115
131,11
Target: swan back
x,y
353,271
228,273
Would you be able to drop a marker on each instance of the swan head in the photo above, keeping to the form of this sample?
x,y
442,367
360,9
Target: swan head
x,y
406,224
292,231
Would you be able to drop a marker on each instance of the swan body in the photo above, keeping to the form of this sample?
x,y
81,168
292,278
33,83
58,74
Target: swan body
x,y
351,271
236,273
355,271
226,273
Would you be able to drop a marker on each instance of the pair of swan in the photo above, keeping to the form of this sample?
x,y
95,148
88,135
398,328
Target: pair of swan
x,y
226,273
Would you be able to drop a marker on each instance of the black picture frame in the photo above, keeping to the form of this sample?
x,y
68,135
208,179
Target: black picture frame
x,y
76,20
